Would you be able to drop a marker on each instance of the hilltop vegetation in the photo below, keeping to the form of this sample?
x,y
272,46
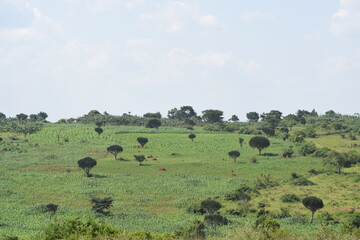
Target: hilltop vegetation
x,y
188,177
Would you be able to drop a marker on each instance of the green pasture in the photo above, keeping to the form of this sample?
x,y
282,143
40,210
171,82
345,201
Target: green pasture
x,y
41,170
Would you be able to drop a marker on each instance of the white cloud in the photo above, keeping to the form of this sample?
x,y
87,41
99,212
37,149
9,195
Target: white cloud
x,y
346,21
257,15
178,16
214,59
134,3
250,66
138,42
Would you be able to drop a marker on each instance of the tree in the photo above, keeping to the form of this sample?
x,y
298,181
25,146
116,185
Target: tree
x,y
142,141
152,115
22,117
234,155
252,116
139,158
94,113
215,220
241,142
234,118
153,123
269,131
212,116
338,160
115,150
273,118
42,116
2,116
27,128
99,131
313,204
102,205
185,112
210,206
192,137
87,164
259,142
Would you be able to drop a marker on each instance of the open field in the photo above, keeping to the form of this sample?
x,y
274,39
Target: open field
x,y
40,170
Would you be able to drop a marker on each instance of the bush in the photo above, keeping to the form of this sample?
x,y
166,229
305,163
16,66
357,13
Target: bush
x,y
265,181
302,181
195,208
212,127
287,153
290,198
321,152
215,220
307,148
102,206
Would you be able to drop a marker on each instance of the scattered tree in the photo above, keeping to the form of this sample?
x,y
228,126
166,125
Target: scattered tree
x,y
51,208
241,142
269,131
259,142
21,117
152,115
185,112
215,220
153,123
210,206
234,118
142,141
87,164
252,116
139,158
273,118
192,137
234,155
102,205
115,150
313,204
212,116
99,131
2,116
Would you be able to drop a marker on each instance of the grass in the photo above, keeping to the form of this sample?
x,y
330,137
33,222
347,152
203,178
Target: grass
x,y
42,170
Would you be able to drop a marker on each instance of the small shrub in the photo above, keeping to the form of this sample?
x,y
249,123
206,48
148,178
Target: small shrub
x,y
321,152
287,153
102,205
254,160
215,220
265,181
302,181
195,208
307,148
210,206
290,198
195,231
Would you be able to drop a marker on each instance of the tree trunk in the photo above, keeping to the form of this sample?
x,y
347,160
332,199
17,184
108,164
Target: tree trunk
x,y
312,217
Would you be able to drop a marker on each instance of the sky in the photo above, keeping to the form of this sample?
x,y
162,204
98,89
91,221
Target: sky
x,y
67,57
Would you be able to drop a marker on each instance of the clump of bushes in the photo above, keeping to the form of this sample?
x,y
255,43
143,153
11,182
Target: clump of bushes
x,y
290,198
307,149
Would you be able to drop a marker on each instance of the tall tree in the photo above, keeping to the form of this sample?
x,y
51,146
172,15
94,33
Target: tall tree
x,y
259,142
313,204
252,116
273,118
212,116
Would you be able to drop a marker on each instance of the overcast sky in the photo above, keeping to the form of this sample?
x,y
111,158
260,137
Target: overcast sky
x,y
67,57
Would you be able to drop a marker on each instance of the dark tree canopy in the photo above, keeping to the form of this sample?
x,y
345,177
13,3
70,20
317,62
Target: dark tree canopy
x,y
94,113
99,131
259,142
210,206
192,137
153,123
87,164
2,116
252,116
152,115
273,117
313,204
185,112
115,150
139,158
21,117
269,131
212,116
234,118
234,155
142,141
102,205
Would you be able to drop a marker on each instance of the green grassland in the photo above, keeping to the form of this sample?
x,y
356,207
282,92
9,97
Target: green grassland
x,y
40,170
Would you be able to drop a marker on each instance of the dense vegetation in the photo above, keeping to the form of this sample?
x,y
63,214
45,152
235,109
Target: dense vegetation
x,y
161,185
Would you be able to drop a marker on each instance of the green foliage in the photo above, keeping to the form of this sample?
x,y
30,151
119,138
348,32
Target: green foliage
x,y
115,150
195,231
302,181
243,194
192,136
152,115
210,206
287,153
321,152
212,116
252,116
212,127
139,159
234,154
195,208
215,220
142,141
87,164
265,181
102,205
259,142
273,118
269,131
307,148
99,131
74,229
241,141
313,204
153,123
297,138
290,198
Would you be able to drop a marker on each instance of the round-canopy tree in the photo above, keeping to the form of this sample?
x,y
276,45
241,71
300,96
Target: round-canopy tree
x,y
115,150
234,155
210,206
142,141
153,123
313,204
259,142
87,164
99,131
139,158
192,136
